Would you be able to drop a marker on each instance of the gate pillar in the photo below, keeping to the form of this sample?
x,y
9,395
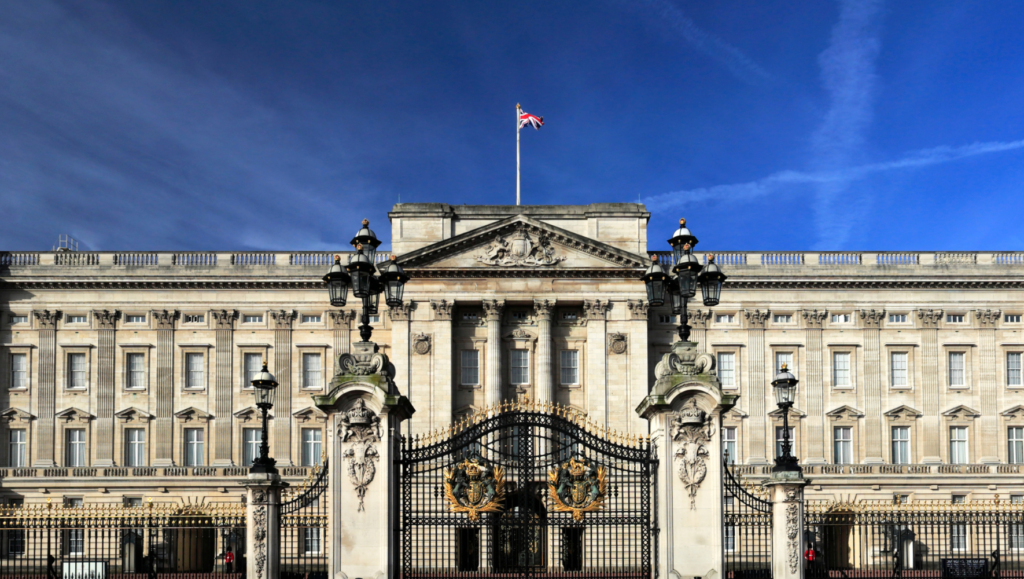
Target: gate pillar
x,y
366,412
263,525
684,410
787,489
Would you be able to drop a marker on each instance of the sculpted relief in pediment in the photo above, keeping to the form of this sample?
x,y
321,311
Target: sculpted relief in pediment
x,y
520,250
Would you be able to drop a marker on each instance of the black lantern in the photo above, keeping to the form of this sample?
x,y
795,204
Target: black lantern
x,y
677,298
337,280
682,237
686,269
372,301
785,393
361,269
711,282
394,278
264,384
368,240
657,282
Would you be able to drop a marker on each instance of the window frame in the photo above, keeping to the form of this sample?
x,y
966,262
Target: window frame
x,y
300,379
68,377
783,319
318,443
524,381
562,368
261,351
187,444
128,319
957,319
24,451
13,351
256,319
134,451
730,440
12,319
905,320
964,370
778,440
185,320
1015,438
840,444
894,441
246,462
844,318
1020,368
781,351
851,380
186,352
476,383
909,374
734,370
730,321
74,321
966,444
319,319
126,353
69,444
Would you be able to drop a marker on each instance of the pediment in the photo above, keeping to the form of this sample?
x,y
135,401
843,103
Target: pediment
x,y
132,414
793,413
250,413
844,411
1011,413
903,411
15,415
192,413
734,413
961,412
74,414
520,244
309,414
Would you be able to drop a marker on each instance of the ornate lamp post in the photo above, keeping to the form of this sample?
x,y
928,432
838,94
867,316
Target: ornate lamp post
x,y
264,383
785,392
358,275
682,286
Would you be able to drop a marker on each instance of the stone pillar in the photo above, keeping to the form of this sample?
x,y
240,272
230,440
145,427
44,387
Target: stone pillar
x,y
493,376
400,352
545,391
263,525
757,441
597,360
282,450
105,323
636,349
684,410
341,323
787,489
814,389
987,393
931,421
874,437
46,323
162,432
223,390
444,376
698,320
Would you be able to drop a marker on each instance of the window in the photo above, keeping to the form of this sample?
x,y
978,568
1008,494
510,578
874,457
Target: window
x,y
1012,318
76,371
74,447
730,538
135,319
901,445
1016,533
782,318
778,440
251,439
902,499
310,319
520,366
470,367
195,451
16,448
311,540
19,371
727,369
663,319
570,366
519,315
958,533
958,445
1013,360
77,319
570,316
16,319
898,369
252,319
843,445
16,538
194,371
195,318
783,358
954,318
841,369
729,444
897,318
311,446
1015,444
840,318
470,316
956,368
136,371
311,373
725,319
75,537
375,319
251,365
134,447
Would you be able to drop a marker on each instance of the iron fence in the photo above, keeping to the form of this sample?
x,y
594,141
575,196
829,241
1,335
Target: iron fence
x,y
304,544
746,529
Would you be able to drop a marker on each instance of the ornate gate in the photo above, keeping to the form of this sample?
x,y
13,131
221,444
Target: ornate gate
x,y
746,530
304,528
526,489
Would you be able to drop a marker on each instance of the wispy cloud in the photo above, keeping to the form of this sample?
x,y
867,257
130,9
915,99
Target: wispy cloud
x,y
838,178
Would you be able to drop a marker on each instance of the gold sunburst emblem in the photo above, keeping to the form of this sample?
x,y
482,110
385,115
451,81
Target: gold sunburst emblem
x,y
474,486
578,487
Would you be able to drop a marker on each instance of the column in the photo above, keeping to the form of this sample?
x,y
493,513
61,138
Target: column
x,y
263,526
46,323
698,320
814,389
787,524
341,323
636,349
874,437
282,449
105,323
987,392
755,372
162,432
224,321
493,382
596,312
931,421
400,348
444,385
545,378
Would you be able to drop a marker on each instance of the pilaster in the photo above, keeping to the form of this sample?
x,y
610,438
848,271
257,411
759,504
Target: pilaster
x,y
441,350
263,525
162,431
46,323
341,324
493,384
787,490
874,437
931,421
596,312
987,393
282,321
636,349
814,388
757,440
418,390
224,322
106,322
545,374
698,320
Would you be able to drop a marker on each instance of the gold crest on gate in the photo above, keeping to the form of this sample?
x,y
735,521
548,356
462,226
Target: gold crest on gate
x,y
474,486
578,487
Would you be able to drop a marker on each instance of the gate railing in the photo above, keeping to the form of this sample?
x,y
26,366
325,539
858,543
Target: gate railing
x,y
130,542
304,540
746,528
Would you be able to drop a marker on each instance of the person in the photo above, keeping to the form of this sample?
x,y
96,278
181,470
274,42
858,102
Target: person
x,y
809,557
229,561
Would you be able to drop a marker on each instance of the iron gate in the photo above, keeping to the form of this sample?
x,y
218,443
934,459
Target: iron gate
x,y
526,489
304,528
746,530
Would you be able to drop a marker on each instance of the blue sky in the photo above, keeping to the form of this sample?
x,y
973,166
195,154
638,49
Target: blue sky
x,y
770,125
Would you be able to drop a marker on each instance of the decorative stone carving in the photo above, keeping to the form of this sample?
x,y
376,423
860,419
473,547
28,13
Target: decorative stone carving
x,y
792,531
259,522
961,413
577,487
364,360
520,334
844,413
46,320
341,319
283,319
223,319
903,413
872,318
685,360
596,309
987,318
692,431
442,309
163,319
401,313
421,344
361,428
638,309
359,423
755,318
15,415
493,309
617,343
698,319
361,468
521,250
543,309
929,318
105,319
474,486
813,318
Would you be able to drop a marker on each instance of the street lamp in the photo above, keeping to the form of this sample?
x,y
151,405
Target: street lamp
x,y
359,276
264,383
785,392
689,274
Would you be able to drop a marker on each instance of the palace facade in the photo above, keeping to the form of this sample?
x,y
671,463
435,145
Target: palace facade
x,y
125,374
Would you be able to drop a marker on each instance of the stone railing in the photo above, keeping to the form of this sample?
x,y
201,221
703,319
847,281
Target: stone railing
x,y
194,260
141,472
886,469
838,259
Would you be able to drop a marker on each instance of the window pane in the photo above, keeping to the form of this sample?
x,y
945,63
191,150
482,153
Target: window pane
x,y
470,367
727,369
311,446
569,366
843,445
1013,374
19,371
956,368
1015,442
520,370
901,445
195,371
841,369
251,439
311,375
76,370
898,367
136,374
958,445
134,447
252,364
778,440
16,448
74,447
194,447
729,444
783,358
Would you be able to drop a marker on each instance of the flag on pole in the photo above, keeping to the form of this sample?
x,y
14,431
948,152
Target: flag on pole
x,y
526,119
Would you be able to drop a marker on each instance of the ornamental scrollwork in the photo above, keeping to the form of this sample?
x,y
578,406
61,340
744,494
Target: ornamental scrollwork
x,y
362,364
259,519
617,343
361,469
421,344
692,430
578,487
474,486
359,424
520,250
792,531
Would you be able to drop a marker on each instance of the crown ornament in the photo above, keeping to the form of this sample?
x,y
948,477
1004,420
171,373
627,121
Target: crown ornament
x,y
692,414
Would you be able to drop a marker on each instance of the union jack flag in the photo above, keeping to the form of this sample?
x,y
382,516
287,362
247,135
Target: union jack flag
x,y
526,119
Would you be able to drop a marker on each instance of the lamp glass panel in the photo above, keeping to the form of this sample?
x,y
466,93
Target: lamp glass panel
x,y
784,393
338,291
361,283
688,283
263,395
712,290
656,292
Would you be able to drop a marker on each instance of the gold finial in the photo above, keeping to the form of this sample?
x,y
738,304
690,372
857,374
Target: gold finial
x,y
359,247
337,258
393,257
366,222
682,222
711,258
654,258
784,364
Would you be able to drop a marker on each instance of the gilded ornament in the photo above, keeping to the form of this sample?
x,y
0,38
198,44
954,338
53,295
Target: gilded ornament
x,y
578,487
474,486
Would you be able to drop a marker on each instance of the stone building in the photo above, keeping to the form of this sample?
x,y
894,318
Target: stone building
x,y
125,374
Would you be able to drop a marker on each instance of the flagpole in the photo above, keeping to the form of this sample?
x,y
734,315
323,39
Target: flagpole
x,y
517,153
